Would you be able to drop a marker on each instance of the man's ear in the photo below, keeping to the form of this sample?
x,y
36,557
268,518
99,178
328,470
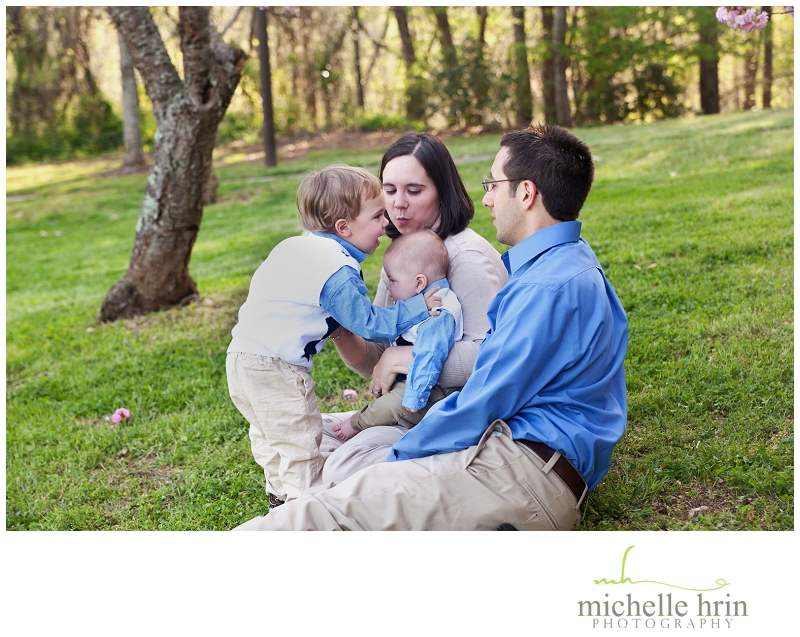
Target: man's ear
x,y
420,282
341,228
529,192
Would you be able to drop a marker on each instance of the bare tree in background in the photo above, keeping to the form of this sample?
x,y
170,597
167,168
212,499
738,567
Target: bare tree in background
x,y
766,90
265,74
132,156
187,115
563,117
548,68
522,85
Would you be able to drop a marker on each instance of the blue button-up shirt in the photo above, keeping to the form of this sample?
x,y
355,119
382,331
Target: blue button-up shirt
x,y
344,296
435,337
551,365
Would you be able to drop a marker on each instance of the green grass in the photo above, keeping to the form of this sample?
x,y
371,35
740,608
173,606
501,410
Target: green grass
x,y
692,220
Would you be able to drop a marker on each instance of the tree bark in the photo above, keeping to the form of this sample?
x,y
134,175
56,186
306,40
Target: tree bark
x,y
523,110
750,71
445,36
187,115
265,74
709,61
357,61
766,91
415,96
563,117
548,68
132,155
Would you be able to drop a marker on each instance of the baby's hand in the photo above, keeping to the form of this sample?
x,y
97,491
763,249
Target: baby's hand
x,y
343,431
433,302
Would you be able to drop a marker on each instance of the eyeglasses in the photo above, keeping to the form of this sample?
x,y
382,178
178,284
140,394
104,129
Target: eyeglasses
x,y
488,185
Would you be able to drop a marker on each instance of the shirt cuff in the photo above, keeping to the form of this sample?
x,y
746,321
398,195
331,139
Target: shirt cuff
x,y
416,399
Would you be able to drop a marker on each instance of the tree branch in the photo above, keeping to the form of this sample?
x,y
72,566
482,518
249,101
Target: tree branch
x,y
231,21
150,57
198,59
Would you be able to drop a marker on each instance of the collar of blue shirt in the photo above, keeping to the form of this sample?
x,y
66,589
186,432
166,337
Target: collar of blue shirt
x,y
442,283
354,252
539,242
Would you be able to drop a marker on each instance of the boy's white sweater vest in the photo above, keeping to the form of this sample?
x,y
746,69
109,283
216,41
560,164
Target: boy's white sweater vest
x,y
282,317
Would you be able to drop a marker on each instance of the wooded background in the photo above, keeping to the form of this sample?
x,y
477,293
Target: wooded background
x,y
426,67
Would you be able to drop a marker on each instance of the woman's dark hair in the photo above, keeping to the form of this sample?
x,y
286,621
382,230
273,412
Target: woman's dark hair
x,y
456,208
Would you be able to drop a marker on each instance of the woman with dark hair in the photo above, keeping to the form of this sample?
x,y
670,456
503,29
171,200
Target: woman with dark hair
x,y
422,189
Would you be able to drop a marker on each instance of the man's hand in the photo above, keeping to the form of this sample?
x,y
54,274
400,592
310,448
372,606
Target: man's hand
x,y
433,302
343,430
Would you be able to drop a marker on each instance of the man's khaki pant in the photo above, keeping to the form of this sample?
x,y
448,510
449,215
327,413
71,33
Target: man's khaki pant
x,y
494,482
277,399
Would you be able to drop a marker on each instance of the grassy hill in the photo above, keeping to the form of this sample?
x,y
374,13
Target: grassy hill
x,y
692,220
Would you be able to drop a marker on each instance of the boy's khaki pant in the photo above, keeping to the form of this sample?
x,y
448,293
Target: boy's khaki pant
x,y
494,482
277,399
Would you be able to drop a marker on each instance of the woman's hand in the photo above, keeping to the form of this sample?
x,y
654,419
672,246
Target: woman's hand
x,y
433,302
393,361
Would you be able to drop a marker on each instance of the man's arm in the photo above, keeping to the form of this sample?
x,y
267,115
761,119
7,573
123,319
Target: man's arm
x,y
532,340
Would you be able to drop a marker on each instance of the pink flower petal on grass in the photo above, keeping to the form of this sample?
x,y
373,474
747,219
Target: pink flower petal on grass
x,y
116,419
350,393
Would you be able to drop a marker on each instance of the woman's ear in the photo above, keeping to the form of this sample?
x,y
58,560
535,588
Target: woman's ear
x,y
420,282
341,228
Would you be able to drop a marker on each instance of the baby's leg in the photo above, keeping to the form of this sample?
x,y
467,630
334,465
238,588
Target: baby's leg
x,y
344,431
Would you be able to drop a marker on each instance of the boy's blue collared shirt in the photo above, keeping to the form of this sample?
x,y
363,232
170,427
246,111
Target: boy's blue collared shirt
x,y
354,252
344,296
551,365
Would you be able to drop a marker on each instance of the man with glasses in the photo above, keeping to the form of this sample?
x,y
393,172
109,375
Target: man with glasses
x,y
533,429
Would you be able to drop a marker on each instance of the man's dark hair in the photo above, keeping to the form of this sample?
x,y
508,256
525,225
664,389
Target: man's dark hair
x,y
556,161
456,207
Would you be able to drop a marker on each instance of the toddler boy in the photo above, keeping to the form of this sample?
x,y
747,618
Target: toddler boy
x,y
309,288
414,263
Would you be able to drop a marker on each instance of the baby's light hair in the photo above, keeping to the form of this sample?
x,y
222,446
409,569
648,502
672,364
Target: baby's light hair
x,y
420,252
333,193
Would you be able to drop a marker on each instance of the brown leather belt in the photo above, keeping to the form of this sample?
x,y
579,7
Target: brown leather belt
x,y
563,468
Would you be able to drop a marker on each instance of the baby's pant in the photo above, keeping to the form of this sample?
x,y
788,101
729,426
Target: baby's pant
x,y
388,409
277,399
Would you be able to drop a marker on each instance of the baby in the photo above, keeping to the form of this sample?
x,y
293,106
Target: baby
x,y
414,263
308,289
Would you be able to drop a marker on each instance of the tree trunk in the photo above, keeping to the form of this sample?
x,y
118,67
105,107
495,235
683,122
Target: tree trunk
x,y
265,74
709,61
415,94
187,115
766,91
132,156
445,36
357,61
548,68
750,71
522,86
563,117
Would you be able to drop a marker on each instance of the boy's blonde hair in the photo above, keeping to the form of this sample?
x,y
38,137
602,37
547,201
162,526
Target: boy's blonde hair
x,y
334,193
421,252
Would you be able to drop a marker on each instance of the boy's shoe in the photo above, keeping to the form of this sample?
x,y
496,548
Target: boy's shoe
x,y
275,501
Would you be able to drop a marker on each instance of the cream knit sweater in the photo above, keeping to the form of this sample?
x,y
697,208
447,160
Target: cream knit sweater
x,y
476,274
